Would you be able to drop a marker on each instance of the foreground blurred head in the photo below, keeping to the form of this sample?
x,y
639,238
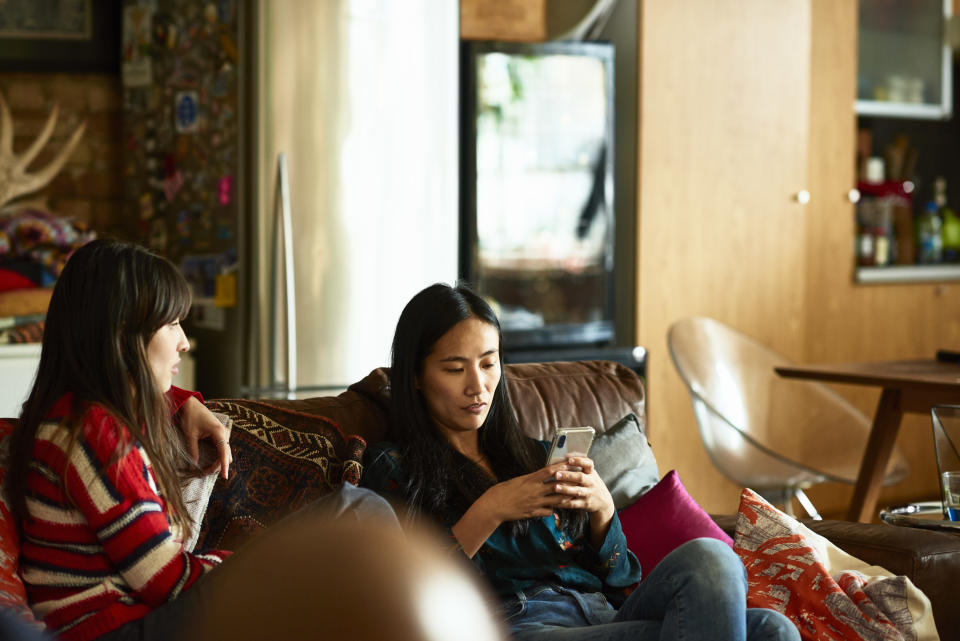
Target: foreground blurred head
x,y
346,580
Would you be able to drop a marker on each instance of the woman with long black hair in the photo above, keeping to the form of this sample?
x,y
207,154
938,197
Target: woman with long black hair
x,y
546,537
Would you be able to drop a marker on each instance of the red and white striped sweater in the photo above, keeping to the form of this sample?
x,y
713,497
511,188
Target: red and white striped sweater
x,y
109,555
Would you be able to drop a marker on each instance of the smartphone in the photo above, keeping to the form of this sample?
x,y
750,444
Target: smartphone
x,y
570,440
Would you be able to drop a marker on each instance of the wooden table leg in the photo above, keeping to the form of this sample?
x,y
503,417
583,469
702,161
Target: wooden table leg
x,y
883,435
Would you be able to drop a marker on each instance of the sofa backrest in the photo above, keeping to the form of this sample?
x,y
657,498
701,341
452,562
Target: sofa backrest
x,y
595,393
545,396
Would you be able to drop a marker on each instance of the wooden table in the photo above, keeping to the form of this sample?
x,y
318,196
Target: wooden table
x,y
908,386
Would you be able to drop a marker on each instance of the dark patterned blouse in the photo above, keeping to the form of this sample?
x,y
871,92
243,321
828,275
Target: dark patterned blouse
x,y
545,555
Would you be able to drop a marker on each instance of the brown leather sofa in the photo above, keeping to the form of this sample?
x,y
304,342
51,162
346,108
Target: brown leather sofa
x,y
599,393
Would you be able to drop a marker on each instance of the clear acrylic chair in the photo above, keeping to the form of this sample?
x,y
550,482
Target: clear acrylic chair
x,y
946,442
774,435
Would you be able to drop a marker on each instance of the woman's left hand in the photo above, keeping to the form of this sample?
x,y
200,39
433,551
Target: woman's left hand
x,y
197,423
586,491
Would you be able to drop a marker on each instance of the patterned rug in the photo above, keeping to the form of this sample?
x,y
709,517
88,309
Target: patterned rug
x,y
282,460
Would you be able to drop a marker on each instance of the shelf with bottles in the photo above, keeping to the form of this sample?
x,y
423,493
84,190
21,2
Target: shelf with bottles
x,y
894,245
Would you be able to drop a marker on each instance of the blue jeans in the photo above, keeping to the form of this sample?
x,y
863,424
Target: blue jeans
x,y
696,592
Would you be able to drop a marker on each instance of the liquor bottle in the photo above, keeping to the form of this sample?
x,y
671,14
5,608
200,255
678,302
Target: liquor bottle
x,y
929,240
950,228
866,212
950,232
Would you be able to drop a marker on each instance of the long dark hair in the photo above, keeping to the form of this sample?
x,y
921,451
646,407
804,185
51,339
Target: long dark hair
x,y
106,305
440,480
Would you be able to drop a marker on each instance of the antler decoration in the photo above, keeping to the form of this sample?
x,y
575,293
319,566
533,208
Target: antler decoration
x,y
15,181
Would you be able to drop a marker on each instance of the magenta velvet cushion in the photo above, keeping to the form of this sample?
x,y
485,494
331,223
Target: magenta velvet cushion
x,y
662,519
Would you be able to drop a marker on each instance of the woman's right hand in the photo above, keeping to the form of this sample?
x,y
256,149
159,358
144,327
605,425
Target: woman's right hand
x,y
523,497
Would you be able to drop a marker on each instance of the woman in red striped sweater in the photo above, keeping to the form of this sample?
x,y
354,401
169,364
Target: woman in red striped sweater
x,y
103,445
98,459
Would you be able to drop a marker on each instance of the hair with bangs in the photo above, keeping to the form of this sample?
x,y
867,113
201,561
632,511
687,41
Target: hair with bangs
x,y
110,299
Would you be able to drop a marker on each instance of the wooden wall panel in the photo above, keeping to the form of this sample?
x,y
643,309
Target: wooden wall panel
x,y
516,20
831,171
725,244
722,148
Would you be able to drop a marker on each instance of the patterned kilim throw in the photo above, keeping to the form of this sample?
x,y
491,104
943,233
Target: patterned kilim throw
x,y
282,460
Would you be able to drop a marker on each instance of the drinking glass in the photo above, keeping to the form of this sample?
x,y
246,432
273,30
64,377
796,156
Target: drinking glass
x,y
946,439
950,482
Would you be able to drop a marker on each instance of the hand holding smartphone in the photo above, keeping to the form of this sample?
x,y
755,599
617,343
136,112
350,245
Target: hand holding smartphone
x,y
570,440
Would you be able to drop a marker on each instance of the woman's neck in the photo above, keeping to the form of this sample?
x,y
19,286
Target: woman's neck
x,y
468,444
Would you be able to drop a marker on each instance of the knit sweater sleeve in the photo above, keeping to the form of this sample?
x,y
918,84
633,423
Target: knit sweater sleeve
x,y
177,397
119,500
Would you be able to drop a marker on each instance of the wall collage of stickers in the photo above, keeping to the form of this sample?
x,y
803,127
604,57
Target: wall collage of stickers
x,y
181,132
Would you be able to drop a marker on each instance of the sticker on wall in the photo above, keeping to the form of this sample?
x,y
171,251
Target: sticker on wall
x,y
199,184
157,239
146,206
221,82
207,316
161,26
202,272
183,225
136,69
204,219
172,36
225,190
228,47
172,185
225,294
185,112
135,99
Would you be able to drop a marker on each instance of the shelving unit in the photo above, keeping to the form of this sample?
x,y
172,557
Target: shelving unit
x,y
901,110
904,59
907,274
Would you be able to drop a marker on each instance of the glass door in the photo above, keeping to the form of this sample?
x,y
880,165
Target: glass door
x,y
904,60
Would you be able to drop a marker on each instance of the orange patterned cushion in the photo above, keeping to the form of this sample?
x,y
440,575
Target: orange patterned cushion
x,y
12,593
828,594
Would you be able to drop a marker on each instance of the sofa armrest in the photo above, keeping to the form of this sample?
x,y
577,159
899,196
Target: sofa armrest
x,y
931,560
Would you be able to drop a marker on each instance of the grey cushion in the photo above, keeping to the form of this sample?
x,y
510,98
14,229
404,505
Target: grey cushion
x,y
625,461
